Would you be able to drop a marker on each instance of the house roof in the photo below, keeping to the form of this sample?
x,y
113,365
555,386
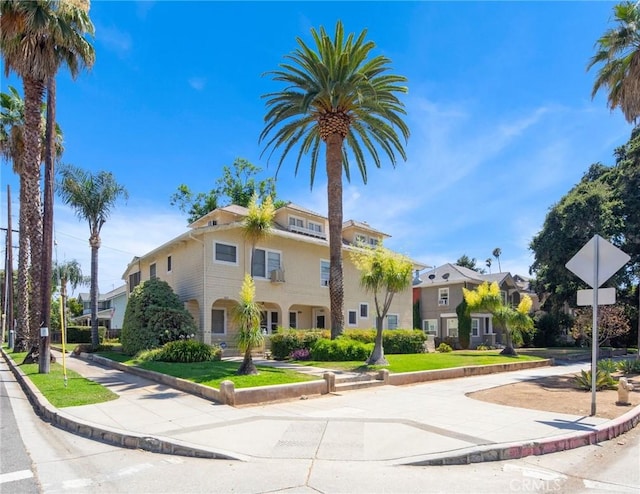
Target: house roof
x,y
297,207
449,274
363,225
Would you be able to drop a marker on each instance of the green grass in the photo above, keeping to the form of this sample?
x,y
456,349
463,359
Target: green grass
x,y
78,390
213,373
427,361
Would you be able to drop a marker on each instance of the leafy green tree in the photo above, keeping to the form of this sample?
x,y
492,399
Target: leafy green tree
x,y
36,38
336,94
514,322
382,273
467,262
257,225
92,197
154,315
618,55
196,205
75,307
246,315
464,324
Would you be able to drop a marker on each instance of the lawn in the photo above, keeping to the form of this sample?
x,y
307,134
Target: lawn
x,y
427,361
213,373
77,391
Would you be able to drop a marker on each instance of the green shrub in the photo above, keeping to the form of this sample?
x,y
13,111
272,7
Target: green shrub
x,y
603,380
285,342
186,351
464,324
484,347
82,334
340,350
394,341
444,348
154,315
629,366
607,365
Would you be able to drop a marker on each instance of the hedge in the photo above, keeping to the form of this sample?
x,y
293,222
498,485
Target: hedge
x,y
342,349
285,342
81,334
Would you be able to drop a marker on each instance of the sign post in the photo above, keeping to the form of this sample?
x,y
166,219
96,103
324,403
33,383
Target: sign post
x,y
595,263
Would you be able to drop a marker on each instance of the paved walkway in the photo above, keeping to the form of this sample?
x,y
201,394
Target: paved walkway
x,y
404,424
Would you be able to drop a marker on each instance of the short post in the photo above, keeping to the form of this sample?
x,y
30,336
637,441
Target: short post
x,y
330,379
383,375
228,392
624,387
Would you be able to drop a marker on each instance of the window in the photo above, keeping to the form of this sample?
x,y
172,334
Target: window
x,y
487,326
324,273
364,311
430,327
475,327
373,241
263,262
314,227
392,321
352,318
452,328
218,321
226,253
293,319
152,271
168,264
503,297
361,239
296,222
134,281
443,296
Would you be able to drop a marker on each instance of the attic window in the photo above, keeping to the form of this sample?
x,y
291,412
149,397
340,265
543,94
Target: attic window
x,y
212,223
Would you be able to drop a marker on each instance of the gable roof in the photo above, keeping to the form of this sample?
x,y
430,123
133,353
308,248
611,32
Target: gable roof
x,y
449,274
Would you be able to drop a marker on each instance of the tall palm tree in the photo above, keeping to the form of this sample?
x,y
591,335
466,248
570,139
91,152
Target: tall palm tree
x,y
258,222
497,252
488,263
36,38
336,94
92,197
246,315
67,273
618,52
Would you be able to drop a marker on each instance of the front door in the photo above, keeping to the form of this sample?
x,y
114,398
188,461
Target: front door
x,y
319,318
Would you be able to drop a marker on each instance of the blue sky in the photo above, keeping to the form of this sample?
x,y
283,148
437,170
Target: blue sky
x,y
499,108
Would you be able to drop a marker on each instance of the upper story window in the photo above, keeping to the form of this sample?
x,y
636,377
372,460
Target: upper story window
x,y
265,261
314,227
152,271
169,266
443,296
296,222
226,253
361,239
325,269
373,241
134,281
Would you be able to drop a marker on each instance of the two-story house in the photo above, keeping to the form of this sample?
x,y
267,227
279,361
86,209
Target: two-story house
x,y
439,292
206,265
111,307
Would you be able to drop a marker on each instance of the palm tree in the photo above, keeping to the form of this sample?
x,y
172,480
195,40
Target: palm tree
x,y
382,273
488,263
618,50
257,224
246,315
336,94
92,197
36,38
67,273
497,252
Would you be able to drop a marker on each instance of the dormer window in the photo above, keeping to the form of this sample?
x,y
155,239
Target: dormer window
x,y
212,223
361,239
373,241
314,227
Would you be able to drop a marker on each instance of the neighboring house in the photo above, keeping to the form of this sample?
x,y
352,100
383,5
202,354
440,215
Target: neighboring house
x,y
440,292
205,267
524,285
111,307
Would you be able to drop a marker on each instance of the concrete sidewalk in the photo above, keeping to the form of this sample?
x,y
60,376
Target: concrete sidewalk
x,y
431,423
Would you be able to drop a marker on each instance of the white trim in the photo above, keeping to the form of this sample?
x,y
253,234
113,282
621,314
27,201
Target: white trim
x,y
227,244
323,282
267,275
451,325
442,300
355,317
426,324
224,315
477,328
397,316
363,304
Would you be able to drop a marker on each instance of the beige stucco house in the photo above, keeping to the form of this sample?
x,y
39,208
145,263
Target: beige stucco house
x,y
205,266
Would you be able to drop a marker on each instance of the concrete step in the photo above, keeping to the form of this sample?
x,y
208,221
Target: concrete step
x,y
348,386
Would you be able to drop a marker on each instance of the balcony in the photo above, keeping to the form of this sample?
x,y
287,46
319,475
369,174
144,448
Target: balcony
x,y
307,231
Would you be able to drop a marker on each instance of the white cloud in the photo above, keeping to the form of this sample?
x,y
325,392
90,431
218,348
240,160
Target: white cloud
x,y
114,39
197,83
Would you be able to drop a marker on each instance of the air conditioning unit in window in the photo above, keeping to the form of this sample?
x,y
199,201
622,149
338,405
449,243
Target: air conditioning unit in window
x,y
277,276
443,301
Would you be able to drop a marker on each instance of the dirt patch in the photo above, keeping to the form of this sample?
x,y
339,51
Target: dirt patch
x,y
559,394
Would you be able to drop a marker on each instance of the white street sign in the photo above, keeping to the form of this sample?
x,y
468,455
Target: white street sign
x,y
609,260
606,296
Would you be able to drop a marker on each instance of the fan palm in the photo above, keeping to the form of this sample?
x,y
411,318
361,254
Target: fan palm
x,y
336,94
36,38
618,52
92,197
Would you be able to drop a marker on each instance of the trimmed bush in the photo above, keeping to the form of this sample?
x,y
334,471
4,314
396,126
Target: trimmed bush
x,y
154,315
82,334
394,341
340,350
444,348
183,351
285,342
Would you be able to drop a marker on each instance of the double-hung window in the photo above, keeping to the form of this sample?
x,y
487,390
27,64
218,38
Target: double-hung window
x,y
392,321
324,272
475,327
364,311
352,318
443,296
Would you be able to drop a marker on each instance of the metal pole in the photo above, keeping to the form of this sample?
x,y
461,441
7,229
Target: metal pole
x,y
594,328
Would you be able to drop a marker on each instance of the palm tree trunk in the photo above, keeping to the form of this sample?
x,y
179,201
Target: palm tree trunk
x,y
94,241
248,367
33,93
508,348
47,227
22,338
334,195
377,355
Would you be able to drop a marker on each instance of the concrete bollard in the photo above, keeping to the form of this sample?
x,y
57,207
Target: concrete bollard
x,y
330,379
624,387
228,392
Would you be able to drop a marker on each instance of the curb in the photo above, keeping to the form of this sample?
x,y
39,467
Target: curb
x,y
515,450
115,437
